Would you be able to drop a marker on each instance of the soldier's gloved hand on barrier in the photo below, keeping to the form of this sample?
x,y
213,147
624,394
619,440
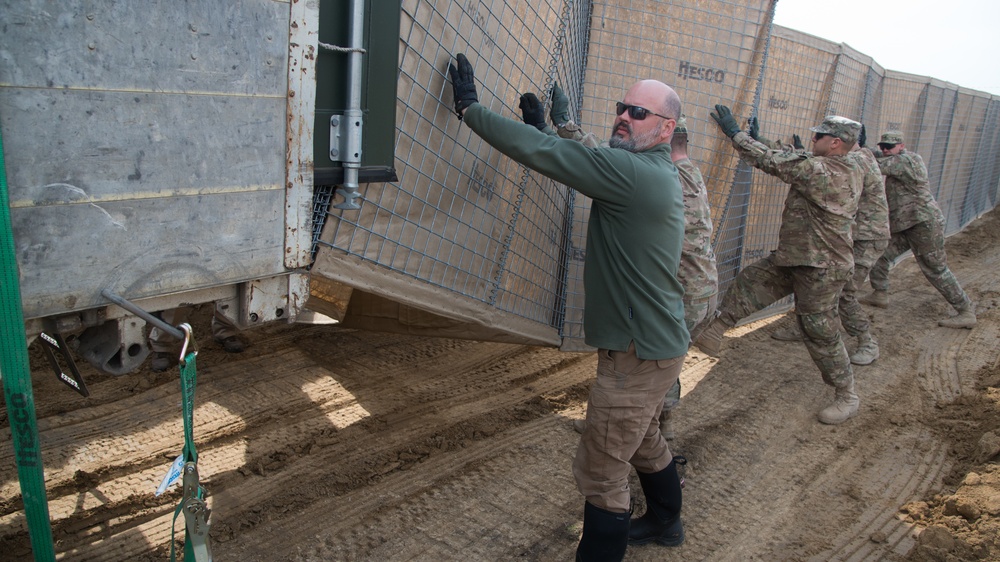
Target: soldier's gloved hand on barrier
x,y
463,81
797,142
862,137
532,111
754,126
724,117
560,106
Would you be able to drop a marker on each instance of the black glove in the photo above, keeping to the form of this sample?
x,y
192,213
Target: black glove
x,y
862,137
560,106
532,111
725,119
754,128
463,80
797,142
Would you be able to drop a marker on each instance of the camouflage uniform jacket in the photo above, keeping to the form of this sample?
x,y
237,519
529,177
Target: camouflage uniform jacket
x,y
697,270
573,131
872,220
908,191
819,209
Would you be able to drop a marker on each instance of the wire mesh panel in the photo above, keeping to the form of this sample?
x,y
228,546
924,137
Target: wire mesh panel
x,y
902,108
966,134
955,132
479,232
709,52
986,169
794,95
850,84
939,101
467,234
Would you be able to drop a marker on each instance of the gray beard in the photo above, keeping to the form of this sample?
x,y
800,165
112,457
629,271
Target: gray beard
x,y
635,143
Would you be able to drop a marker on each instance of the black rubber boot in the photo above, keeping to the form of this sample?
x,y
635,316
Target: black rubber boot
x,y
605,535
662,521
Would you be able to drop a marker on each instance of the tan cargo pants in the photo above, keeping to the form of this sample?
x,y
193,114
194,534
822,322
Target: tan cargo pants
x,y
623,426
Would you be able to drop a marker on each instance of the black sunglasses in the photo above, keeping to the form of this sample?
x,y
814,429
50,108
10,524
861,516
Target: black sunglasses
x,y
636,112
818,136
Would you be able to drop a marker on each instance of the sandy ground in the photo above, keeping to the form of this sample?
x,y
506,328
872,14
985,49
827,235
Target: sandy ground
x,y
320,443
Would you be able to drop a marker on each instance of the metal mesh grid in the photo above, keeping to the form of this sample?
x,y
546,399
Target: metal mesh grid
x,y
461,217
954,130
468,221
797,79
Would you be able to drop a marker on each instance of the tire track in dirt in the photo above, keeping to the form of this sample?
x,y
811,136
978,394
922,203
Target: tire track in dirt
x,y
235,492
917,462
890,475
528,461
736,430
349,445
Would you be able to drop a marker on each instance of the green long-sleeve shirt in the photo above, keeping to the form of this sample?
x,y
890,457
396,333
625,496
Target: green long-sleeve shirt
x,y
634,235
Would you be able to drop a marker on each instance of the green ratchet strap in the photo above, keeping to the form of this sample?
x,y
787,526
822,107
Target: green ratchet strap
x,y
16,373
193,506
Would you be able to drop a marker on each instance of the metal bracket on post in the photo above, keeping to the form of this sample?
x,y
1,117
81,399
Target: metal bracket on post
x,y
345,146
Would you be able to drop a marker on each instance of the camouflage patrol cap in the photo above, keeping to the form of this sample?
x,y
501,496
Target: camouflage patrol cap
x,y
682,124
843,128
891,137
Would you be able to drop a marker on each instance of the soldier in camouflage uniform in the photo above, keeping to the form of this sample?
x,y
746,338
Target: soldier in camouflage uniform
x,y
871,236
917,224
814,259
697,272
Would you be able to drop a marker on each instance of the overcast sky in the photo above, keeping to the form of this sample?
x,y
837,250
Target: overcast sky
x,y
957,41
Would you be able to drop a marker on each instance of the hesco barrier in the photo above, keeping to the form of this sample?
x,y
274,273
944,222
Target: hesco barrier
x,y
467,243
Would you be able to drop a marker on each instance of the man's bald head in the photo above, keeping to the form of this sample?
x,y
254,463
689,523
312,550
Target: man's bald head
x,y
657,127
661,98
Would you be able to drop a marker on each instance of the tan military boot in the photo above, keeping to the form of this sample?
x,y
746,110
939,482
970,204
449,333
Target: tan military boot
x,y
791,333
666,425
710,339
965,319
845,406
867,352
876,298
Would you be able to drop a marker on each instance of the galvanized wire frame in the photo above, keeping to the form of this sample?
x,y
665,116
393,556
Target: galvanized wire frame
x,y
467,221
462,217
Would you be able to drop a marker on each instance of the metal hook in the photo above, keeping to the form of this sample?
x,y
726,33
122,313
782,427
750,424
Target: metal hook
x,y
188,339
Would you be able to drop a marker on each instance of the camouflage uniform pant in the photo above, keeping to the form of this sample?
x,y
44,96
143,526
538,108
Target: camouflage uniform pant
x,y
926,239
696,312
852,316
817,292
622,426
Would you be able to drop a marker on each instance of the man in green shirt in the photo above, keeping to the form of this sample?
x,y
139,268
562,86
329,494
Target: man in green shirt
x,y
634,314
697,271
